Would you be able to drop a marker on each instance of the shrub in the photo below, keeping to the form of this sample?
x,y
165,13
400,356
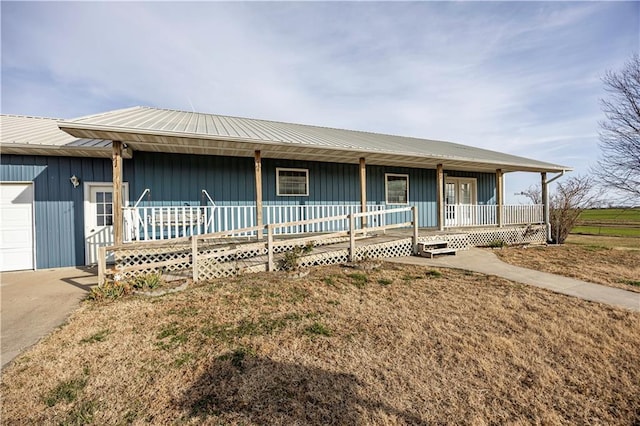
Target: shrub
x,y
290,260
147,282
110,290
497,244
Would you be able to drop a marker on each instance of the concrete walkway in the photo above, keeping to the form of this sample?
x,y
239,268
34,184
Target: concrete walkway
x,y
34,303
486,262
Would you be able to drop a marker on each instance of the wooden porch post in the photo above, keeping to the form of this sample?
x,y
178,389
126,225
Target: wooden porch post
x,y
499,196
545,203
440,196
258,172
117,193
363,190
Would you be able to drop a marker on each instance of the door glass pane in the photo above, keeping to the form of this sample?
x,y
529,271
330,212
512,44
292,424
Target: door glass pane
x,y
104,208
465,193
450,193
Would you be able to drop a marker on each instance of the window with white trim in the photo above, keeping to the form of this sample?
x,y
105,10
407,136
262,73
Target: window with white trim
x,y
292,182
396,188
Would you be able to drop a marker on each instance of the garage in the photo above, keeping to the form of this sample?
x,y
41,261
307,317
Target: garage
x,y
16,226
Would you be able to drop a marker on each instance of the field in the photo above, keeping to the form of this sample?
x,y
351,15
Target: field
x,y
396,345
609,222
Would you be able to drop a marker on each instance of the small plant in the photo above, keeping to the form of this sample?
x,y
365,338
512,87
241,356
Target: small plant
x,y
433,273
66,391
290,260
635,283
170,336
100,336
149,281
183,359
497,244
318,329
82,414
110,290
385,281
358,279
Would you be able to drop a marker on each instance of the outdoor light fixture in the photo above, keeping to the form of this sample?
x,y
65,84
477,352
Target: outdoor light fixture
x,y
75,181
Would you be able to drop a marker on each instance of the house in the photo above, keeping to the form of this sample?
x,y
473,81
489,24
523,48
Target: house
x,y
183,173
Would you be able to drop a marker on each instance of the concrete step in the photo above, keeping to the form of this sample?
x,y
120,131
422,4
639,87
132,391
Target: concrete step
x,y
430,253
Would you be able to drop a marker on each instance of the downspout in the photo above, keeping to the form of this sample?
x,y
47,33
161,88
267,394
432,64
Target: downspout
x,y
545,194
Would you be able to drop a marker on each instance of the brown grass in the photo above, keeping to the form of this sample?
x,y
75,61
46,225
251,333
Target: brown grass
x,y
403,345
597,263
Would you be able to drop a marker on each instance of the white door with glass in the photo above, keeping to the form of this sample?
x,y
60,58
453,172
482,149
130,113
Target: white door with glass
x,y
460,198
98,217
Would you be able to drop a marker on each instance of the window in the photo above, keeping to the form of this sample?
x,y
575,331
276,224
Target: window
x,y
397,188
104,208
291,182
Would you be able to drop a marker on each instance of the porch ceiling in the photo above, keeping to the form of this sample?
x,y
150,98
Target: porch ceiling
x,y
148,129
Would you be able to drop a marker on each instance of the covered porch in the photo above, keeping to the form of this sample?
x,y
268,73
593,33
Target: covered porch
x,y
438,172
162,223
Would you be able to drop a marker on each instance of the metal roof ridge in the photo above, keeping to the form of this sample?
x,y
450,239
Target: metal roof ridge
x,y
100,114
294,124
35,117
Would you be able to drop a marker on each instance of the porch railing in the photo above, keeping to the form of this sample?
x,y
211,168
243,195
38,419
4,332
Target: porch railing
x,y
161,223
461,215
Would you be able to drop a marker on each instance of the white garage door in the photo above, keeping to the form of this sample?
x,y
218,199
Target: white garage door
x,y
16,226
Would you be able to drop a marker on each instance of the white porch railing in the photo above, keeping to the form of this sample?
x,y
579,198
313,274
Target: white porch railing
x,y
522,214
460,215
161,223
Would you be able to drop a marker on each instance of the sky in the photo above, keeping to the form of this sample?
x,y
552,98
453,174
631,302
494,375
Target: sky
x,y
517,77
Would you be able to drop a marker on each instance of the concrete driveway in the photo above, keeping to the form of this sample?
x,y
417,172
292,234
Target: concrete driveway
x,y
34,303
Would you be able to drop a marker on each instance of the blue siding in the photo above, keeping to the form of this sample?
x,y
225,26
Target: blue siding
x,y
177,179
329,183
58,206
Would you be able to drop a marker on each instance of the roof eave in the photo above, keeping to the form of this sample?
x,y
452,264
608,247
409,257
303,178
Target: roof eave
x,y
140,139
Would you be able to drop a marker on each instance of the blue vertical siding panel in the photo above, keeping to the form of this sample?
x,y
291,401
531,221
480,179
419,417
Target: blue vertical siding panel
x,y
58,206
176,179
329,183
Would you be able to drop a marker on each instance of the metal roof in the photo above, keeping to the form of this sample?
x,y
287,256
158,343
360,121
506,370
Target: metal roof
x,y
164,130
20,134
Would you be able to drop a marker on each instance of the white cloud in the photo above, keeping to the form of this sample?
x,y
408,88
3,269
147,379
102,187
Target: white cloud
x,y
516,77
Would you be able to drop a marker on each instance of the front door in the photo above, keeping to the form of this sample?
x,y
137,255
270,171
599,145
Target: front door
x,y
460,199
98,217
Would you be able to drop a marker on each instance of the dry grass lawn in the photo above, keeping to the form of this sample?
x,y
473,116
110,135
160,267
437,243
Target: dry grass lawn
x,y
398,345
599,262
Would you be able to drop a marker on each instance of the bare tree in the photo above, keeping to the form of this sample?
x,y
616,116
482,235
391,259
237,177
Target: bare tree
x,y
619,165
569,199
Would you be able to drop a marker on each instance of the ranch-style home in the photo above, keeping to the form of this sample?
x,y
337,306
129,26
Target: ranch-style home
x,y
69,187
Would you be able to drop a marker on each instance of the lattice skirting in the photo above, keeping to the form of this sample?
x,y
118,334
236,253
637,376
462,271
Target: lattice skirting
x,y
531,234
216,260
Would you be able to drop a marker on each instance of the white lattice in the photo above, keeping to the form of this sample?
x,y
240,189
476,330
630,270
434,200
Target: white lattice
x,y
397,248
531,234
326,258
